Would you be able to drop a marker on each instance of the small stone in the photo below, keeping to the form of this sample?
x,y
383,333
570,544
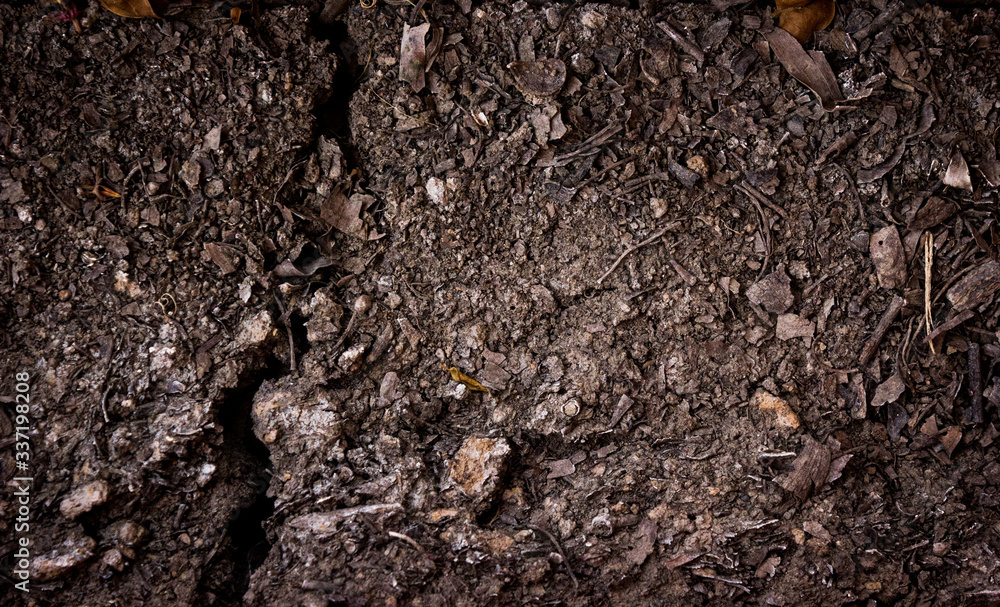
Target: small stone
x,y
593,20
84,499
74,552
659,207
478,468
783,414
255,330
324,317
699,165
215,188
113,558
363,304
350,360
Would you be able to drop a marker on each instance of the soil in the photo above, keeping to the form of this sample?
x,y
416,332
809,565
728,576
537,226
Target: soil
x,y
587,310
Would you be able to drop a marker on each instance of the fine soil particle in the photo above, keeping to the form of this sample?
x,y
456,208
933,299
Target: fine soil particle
x,y
500,303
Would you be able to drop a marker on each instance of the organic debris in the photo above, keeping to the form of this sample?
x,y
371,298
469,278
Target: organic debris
x,y
464,379
808,67
801,18
135,9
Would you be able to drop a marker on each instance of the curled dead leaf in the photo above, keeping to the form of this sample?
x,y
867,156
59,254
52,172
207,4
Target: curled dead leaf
x,y
801,18
541,78
135,9
462,378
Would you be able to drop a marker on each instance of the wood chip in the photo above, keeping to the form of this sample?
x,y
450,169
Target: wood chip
x,y
811,469
889,391
561,468
976,288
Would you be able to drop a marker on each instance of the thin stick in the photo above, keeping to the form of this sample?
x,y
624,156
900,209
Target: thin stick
x,y
928,263
974,414
650,240
409,540
683,42
555,542
753,192
883,325
950,324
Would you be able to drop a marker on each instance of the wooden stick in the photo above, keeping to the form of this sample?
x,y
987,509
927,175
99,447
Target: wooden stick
x,y
974,414
883,325
631,250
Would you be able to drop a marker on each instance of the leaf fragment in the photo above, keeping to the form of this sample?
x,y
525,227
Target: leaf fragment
x,y
413,56
957,175
135,9
801,18
810,68
462,378
541,78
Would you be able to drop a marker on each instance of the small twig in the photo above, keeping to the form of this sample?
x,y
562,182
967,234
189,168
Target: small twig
x,y
409,540
686,45
555,542
659,234
928,264
753,192
949,324
879,22
974,414
854,188
284,320
598,139
883,325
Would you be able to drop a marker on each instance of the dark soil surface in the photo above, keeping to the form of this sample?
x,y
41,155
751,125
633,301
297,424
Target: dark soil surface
x,y
591,311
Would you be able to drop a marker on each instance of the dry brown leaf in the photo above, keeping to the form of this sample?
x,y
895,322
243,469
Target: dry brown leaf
x,y
413,56
811,470
801,18
344,213
135,9
542,78
957,175
462,378
951,439
990,168
810,68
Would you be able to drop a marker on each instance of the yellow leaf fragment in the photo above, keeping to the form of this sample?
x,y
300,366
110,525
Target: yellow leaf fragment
x,y
462,378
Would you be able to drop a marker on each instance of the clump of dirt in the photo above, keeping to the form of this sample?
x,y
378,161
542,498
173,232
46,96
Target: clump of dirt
x,y
578,303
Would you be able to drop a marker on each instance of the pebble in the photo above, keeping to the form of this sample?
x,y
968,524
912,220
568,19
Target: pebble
x,y
84,499
478,468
